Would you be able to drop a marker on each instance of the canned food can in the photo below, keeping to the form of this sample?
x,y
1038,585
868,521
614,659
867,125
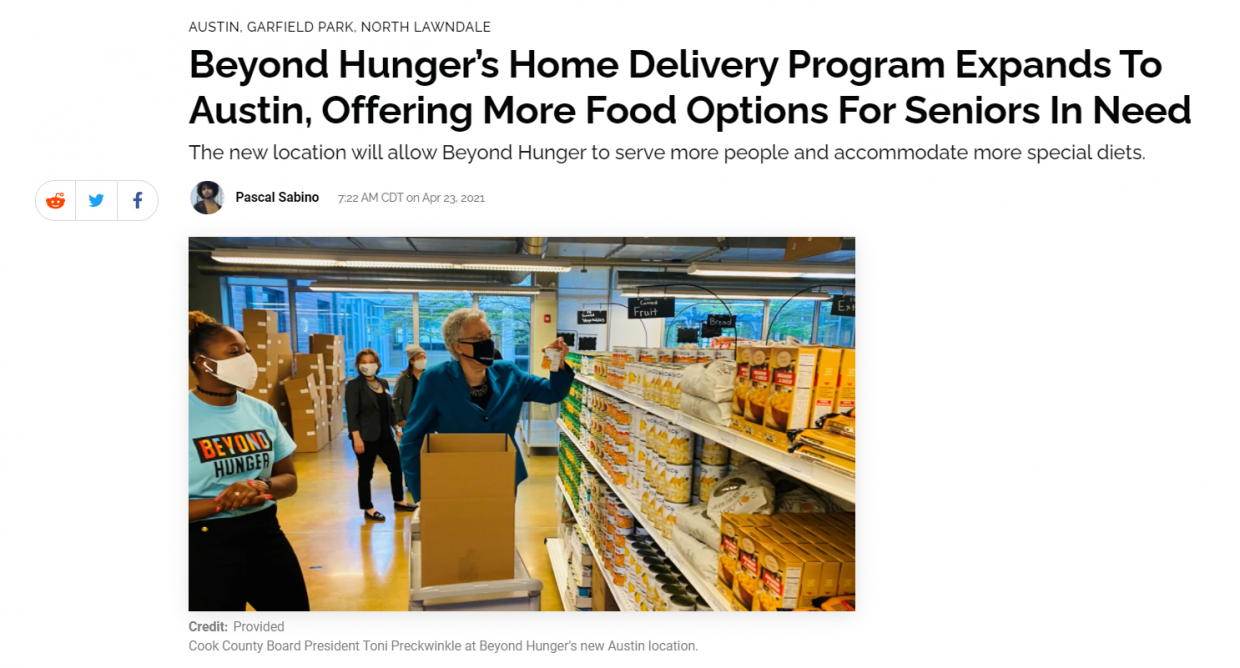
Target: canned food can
x,y
681,604
679,445
705,355
678,485
708,476
684,355
666,355
715,454
701,605
649,355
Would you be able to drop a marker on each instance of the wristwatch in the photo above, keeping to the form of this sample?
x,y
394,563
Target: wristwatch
x,y
265,481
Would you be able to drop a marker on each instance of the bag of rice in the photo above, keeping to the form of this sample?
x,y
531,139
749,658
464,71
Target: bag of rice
x,y
717,414
699,555
712,382
695,522
745,490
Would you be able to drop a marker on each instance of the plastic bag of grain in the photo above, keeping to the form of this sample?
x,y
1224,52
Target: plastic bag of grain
x,y
695,522
712,382
794,496
736,460
699,555
745,490
707,411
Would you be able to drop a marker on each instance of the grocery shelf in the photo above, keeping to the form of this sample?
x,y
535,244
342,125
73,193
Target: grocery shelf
x,y
705,586
621,596
559,566
828,481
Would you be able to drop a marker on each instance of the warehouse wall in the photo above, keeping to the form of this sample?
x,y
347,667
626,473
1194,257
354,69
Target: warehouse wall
x,y
204,291
542,333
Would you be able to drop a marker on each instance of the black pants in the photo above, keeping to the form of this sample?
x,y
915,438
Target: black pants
x,y
386,450
239,560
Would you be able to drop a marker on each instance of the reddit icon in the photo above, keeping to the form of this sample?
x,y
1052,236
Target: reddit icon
x,y
56,202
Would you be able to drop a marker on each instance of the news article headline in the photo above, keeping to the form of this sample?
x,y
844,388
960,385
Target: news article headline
x,y
427,71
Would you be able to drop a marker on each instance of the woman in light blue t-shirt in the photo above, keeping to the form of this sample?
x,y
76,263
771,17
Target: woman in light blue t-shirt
x,y
239,465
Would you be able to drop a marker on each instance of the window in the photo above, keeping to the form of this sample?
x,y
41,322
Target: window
x,y
791,317
836,330
509,318
433,308
693,312
262,293
382,322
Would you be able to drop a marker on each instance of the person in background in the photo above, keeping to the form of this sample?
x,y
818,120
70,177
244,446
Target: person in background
x,y
407,385
371,420
474,394
239,465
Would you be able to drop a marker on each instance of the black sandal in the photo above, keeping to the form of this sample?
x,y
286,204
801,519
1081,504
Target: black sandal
x,y
401,506
378,516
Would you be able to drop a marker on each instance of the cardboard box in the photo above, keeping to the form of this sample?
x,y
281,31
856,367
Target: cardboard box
x,y
848,368
826,382
310,364
787,578
306,434
758,397
468,509
791,404
601,599
740,384
845,399
331,346
749,541
829,574
730,525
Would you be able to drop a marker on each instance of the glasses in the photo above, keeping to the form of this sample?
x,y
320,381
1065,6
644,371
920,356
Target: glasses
x,y
475,339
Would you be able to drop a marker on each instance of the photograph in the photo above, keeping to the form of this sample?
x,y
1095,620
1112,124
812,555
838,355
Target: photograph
x,y
525,423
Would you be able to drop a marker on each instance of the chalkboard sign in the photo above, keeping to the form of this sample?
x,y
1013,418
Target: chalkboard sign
x,y
652,307
587,343
569,337
686,335
721,320
844,305
591,317
711,331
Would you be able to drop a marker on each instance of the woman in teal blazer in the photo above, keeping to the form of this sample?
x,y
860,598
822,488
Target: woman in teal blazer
x,y
473,393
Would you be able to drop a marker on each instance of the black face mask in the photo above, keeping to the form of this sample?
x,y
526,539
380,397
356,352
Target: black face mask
x,y
484,352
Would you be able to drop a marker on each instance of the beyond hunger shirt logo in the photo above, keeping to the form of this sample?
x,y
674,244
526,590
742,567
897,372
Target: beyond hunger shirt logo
x,y
235,453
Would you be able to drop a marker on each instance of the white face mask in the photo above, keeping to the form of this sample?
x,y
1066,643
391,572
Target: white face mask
x,y
419,364
241,372
368,369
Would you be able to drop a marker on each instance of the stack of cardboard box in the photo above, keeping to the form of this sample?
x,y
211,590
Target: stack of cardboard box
x,y
786,562
273,353
308,424
331,347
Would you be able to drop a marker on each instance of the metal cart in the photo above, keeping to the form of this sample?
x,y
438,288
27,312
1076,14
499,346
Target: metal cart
x,y
520,593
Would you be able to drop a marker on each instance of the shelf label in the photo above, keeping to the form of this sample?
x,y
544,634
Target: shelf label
x,y
651,307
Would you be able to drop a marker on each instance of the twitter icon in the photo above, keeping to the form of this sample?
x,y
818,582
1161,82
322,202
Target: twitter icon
x,y
95,200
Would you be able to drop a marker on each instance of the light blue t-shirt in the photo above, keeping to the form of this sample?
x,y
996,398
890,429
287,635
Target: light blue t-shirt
x,y
229,444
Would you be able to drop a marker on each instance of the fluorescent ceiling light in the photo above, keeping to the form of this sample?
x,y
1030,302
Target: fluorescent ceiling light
x,y
368,260
644,292
474,288
541,267
774,270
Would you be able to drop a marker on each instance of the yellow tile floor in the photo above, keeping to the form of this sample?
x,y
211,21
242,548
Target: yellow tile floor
x,y
352,564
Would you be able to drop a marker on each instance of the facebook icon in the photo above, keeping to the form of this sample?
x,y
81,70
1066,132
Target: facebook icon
x,y
137,200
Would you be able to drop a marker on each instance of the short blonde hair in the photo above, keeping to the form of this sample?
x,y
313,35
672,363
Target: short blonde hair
x,y
454,323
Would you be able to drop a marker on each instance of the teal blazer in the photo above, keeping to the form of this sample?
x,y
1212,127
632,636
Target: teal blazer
x,y
442,405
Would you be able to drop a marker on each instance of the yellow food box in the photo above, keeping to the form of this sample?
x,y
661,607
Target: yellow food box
x,y
845,399
848,368
829,575
758,397
745,581
788,577
826,381
730,525
791,404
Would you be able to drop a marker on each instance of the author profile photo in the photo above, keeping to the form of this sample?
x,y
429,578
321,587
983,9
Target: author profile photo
x,y
207,198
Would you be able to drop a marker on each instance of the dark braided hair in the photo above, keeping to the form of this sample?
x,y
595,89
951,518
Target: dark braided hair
x,y
202,331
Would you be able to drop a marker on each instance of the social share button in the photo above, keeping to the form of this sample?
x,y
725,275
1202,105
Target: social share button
x,y
135,200
57,200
